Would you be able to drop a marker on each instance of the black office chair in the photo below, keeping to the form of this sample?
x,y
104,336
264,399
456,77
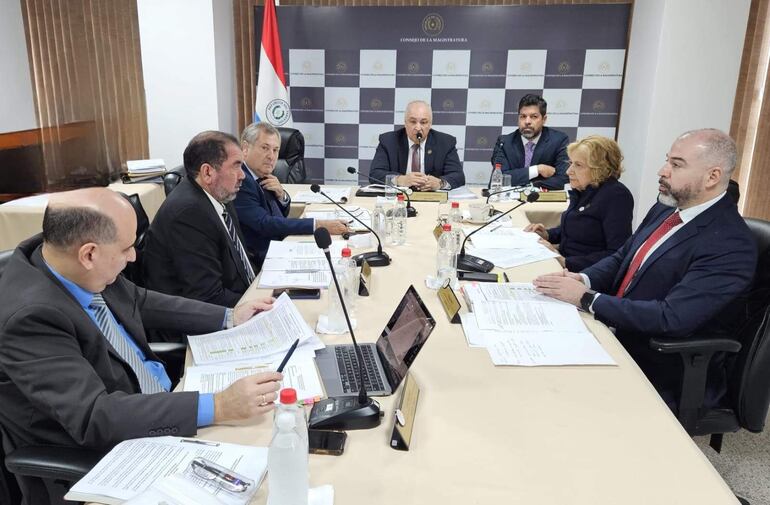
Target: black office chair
x,y
133,271
748,393
172,178
290,167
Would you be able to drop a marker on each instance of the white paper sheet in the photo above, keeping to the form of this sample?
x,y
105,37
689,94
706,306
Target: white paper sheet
x,y
134,465
527,316
480,292
509,258
263,335
301,265
546,348
336,193
307,279
462,193
298,250
300,373
359,212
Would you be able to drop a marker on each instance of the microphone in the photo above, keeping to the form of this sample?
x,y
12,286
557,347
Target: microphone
x,y
419,137
340,413
496,152
377,258
514,188
474,263
410,211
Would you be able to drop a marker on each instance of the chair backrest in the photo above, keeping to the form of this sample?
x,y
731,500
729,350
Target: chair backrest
x,y
133,271
750,374
172,178
290,167
5,257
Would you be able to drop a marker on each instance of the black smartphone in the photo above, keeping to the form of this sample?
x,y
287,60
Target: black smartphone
x,y
477,276
326,442
299,294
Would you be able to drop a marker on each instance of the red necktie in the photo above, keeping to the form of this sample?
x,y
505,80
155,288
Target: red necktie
x,y
416,158
665,227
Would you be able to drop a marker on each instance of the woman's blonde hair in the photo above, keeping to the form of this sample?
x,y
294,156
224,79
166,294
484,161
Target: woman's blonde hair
x,y
604,157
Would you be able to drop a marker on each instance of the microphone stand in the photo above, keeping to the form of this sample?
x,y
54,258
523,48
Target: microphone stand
x,y
410,211
378,258
472,263
340,413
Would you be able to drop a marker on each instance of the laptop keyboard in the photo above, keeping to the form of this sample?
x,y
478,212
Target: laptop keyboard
x,y
348,366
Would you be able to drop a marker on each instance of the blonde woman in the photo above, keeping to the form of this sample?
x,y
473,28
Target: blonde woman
x,y
598,219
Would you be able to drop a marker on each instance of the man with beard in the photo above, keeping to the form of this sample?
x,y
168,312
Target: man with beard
x,y
682,273
534,153
194,246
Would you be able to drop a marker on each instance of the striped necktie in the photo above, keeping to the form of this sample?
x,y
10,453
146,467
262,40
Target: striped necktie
x,y
416,158
238,246
148,383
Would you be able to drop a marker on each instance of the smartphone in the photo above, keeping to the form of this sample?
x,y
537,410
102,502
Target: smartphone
x,y
299,294
326,442
477,276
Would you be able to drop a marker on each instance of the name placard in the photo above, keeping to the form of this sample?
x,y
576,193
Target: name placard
x,y
365,281
429,196
451,304
404,415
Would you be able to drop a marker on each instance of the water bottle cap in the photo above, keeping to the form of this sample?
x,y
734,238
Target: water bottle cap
x,y
345,254
400,197
447,227
455,205
288,396
498,166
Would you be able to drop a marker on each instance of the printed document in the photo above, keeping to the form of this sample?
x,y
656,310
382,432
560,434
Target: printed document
x,y
263,335
301,265
336,193
296,250
359,212
509,258
480,292
527,316
300,279
134,465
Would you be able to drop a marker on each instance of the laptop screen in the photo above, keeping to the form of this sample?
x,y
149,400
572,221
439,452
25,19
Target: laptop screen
x,y
403,337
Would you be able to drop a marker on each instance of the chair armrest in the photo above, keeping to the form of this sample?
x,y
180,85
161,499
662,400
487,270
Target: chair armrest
x,y
48,462
165,348
678,346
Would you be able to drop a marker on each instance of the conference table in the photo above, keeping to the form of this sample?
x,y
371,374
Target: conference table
x,y
23,218
489,435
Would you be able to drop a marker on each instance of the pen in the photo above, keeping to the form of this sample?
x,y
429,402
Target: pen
x,y
201,442
494,228
303,271
288,355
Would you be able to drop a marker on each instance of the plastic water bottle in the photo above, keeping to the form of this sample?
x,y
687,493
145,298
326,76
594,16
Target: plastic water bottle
x,y
344,269
287,402
348,279
497,182
455,214
446,259
287,463
398,234
379,218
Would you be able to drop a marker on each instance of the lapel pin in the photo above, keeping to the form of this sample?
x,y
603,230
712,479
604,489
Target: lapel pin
x,y
430,151
581,209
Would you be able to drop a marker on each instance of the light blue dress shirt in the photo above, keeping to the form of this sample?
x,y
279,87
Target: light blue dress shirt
x,y
84,298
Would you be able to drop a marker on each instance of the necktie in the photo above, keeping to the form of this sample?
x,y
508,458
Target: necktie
x,y
416,158
660,231
529,149
238,246
148,383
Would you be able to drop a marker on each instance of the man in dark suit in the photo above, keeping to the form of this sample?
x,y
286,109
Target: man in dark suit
x,y
262,203
194,246
75,367
533,153
422,158
679,274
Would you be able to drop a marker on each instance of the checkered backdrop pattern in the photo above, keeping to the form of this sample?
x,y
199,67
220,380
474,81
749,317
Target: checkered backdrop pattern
x,y
344,94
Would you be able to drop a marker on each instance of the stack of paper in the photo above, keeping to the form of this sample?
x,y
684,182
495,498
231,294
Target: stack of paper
x,y
462,193
134,465
297,265
519,326
508,247
145,168
336,193
361,213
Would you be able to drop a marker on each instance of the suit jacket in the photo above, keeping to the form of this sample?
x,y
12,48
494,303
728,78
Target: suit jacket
x,y
62,383
551,149
441,159
596,224
263,218
188,251
687,286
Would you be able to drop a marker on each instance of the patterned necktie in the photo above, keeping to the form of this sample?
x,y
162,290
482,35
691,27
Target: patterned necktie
x,y
148,383
529,149
416,158
238,246
665,227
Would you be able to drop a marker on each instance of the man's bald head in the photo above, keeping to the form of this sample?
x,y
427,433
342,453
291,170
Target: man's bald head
x,y
73,218
715,148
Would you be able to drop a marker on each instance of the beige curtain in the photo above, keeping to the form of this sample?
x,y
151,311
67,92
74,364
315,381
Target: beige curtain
x,y
89,94
751,115
246,57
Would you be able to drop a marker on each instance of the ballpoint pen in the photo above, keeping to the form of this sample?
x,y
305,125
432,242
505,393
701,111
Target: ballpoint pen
x,y
288,355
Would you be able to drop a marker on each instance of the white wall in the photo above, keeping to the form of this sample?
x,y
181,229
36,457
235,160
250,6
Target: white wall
x,y
681,74
187,89
17,106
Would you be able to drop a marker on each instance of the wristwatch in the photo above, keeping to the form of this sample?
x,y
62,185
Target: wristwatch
x,y
587,299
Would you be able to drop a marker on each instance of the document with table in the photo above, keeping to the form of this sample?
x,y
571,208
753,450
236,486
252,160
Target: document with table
x,y
297,265
507,246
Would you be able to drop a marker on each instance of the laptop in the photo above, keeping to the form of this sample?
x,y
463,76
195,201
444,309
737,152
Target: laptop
x,y
386,361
